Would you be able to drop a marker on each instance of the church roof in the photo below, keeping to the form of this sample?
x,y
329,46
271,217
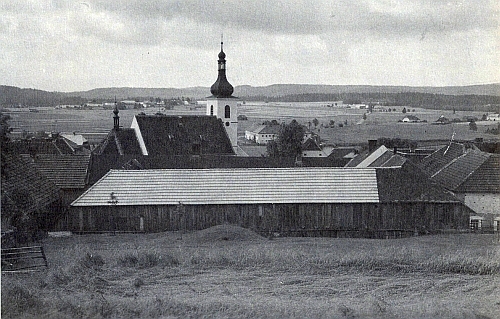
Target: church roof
x,y
188,135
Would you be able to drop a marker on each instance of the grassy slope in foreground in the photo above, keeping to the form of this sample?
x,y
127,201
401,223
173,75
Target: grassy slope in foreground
x,y
228,272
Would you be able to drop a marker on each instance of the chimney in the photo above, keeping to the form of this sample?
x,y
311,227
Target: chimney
x,y
372,145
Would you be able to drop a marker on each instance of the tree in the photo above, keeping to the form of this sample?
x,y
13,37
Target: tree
x,y
404,110
5,130
315,122
288,143
472,126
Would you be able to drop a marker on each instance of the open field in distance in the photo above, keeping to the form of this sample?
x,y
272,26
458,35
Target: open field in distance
x,y
229,272
378,124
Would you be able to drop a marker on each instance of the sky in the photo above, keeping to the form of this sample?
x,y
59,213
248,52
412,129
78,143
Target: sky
x,y
63,45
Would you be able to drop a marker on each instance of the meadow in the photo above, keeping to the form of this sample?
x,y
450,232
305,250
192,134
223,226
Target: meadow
x,y
231,272
377,124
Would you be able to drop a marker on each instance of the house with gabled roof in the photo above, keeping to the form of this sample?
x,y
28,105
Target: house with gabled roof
x,y
27,193
262,134
473,176
322,201
68,172
380,157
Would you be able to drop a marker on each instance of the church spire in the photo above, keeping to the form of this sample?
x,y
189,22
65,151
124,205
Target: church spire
x,y
222,88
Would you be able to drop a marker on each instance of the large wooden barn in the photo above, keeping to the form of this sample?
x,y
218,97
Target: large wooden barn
x,y
288,201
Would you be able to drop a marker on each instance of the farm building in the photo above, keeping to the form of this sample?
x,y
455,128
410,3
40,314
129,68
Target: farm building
x,y
310,201
410,119
27,195
473,176
312,148
380,157
262,134
68,172
493,117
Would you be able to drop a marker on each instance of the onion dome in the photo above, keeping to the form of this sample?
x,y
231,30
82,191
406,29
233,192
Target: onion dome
x,y
222,88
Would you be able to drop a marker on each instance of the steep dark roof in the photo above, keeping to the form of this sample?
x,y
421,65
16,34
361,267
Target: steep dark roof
x,y
310,145
485,179
381,157
43,146
23,187
66,171
409,184
120,142
440,158
388,159
178,135
459,169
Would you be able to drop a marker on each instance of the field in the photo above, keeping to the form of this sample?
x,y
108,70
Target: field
x,y
231,272
378,124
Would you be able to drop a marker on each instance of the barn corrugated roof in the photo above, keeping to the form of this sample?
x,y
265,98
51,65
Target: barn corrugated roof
x,y
176,135
459,169
234,186
66,171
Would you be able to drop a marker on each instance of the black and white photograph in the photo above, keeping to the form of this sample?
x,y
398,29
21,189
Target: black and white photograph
x,y
250,159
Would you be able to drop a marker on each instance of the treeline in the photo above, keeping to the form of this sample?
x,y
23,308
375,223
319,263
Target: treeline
x,y
484,103
11,96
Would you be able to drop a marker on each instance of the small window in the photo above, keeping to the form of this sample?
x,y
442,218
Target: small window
x,y
211,110
227,112
227,123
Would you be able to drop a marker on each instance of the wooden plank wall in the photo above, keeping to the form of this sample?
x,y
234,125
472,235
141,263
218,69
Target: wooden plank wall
x,y
423,217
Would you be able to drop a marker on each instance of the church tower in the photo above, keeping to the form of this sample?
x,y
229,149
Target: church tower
x,y
222,104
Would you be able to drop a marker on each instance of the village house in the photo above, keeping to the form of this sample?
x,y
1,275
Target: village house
x,y
473,176
493,117
377,157
262,134
27,195
410,119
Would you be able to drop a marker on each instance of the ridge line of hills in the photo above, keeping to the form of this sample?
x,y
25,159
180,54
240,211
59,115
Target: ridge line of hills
x,y
485,98
276,90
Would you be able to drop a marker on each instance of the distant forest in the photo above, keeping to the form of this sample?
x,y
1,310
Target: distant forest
x,y
483,103
13,96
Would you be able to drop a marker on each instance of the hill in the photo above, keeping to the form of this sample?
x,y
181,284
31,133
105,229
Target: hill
x,y
473,95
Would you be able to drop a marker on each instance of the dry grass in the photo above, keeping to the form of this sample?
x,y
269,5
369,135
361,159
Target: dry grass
x,y
229,272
